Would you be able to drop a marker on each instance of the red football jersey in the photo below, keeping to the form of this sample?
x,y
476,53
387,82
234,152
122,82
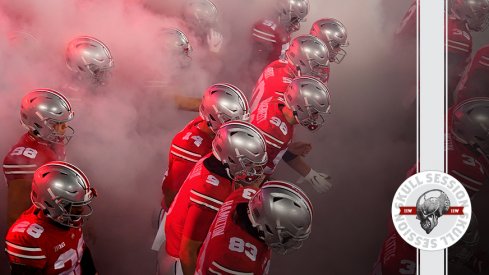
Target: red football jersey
x,y
271,39
28,154
396,257
196,204
406,30
273,82
466,165
229,247
187,148
475,80
35,240
278,132
459,44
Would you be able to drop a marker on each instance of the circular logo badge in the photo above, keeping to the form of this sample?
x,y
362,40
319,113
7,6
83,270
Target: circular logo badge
x,y
431,210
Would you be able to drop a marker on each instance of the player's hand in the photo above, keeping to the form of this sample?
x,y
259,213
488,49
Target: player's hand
x,y
214,40
319,181
300,148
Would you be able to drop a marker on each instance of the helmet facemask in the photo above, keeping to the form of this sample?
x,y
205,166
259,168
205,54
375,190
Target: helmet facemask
x,y
282,241
66,212
73,214
336,51
246,171
56,136
318,70
312,119
100,75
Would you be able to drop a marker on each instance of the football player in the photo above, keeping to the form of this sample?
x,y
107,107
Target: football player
x,y
237,158
220,103
464,16
90,60
45,114
333,33
47,238
306,56
250,224
202,17
468,145
271,36
307,100
475,80
468,151
177,48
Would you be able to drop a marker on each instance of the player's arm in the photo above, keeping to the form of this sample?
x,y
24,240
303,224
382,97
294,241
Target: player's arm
x,y
187,103
18,198
18,269
319,181
197,224
174,178
297,163
188,256
24,253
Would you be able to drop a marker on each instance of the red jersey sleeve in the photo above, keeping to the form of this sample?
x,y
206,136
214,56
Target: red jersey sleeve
x,y
23,246
26,156
396,257
191,143
475,79
459,44
277,131
187,147
270,39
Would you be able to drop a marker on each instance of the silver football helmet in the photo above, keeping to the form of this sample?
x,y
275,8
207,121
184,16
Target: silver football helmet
x,y
63,192
474,12
470,123
309,99
222,103
283,214
291,13
241,147
201,14
309,55
90,58
40,112
333,33
177,44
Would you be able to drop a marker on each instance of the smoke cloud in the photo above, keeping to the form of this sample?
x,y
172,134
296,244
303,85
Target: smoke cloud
x,y
124,129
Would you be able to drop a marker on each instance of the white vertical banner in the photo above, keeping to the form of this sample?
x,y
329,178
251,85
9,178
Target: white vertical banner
x,y
431,107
